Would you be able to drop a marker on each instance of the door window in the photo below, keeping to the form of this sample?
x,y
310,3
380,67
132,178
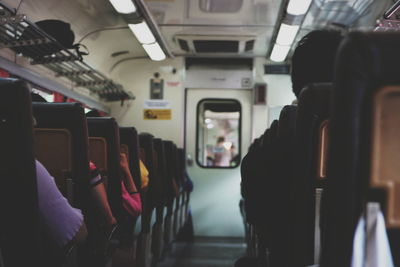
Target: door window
x,y
218,133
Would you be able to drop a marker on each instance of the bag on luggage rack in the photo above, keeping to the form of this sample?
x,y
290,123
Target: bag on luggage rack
x,y
59,30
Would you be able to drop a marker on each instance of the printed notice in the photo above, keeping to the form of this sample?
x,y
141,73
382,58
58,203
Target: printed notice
x,y
157,104
157,114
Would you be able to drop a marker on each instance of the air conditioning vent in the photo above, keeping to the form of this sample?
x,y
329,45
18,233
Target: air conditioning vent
x,y
216,43
249,46
216,46
183,45
276,69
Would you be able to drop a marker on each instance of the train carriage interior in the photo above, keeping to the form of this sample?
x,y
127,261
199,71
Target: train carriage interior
x,y
199,133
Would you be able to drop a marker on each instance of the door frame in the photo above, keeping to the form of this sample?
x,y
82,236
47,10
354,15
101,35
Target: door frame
x,y
185,114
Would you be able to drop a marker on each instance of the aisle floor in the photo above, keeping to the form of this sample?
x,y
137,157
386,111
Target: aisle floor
x,y
205,252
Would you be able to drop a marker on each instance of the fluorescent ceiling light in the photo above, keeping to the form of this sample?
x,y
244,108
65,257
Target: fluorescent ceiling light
x,y
279,52
123,6
298,7
286,34
154,51
142,33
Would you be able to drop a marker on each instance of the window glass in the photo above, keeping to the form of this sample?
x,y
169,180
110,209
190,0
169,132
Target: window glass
x,y
218,133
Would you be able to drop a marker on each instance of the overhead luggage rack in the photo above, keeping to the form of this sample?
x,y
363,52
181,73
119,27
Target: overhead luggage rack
x,y
27,39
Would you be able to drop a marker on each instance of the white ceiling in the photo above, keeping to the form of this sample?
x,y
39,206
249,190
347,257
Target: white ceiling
x,y
174,17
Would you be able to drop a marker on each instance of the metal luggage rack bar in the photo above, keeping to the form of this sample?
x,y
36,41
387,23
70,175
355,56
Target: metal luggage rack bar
x,y
28,40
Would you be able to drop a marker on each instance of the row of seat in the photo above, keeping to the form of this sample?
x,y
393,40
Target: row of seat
x,y
312,176
64,141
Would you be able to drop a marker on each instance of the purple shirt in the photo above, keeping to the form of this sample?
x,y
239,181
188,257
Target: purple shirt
x,y
60,221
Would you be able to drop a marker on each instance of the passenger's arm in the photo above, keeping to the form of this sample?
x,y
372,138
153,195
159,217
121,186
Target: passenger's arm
x,y
61,222
131,197
99,197
127,176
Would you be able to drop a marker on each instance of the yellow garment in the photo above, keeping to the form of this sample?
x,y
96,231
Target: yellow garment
x,y
144,175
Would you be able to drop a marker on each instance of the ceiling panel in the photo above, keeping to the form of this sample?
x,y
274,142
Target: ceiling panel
x,y
209,18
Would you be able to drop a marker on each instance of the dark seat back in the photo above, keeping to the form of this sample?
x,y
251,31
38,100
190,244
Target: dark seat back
x,y
130,146
264,183
363,149
251,171
70,117
19,228
279,177
48,143
107,128
171,157
129,137
313,110
147,148
181,166
161,185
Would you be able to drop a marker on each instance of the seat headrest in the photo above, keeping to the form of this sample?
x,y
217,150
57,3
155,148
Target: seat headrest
x,y
370,58
315,99
58,115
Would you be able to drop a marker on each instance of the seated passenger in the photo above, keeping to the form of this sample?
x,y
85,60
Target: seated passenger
x,y
130,194
144,176
61,222
314,58
99,197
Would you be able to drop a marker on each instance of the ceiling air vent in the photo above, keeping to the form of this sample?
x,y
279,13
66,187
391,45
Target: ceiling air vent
x,y
277,69
216,46
213,44
249,46
183,45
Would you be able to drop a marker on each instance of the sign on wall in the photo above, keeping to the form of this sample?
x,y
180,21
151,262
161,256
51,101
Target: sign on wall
x,y
219,78
157,110
156,88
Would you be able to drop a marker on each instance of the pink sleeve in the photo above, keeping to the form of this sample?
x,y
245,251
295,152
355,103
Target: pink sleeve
x,y
131,203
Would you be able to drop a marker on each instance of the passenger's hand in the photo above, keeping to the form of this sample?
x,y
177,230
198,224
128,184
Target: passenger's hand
x,y
109,226
112,221
123,161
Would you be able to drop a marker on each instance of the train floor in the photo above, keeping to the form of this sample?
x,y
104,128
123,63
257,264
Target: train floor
x,y
205,252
